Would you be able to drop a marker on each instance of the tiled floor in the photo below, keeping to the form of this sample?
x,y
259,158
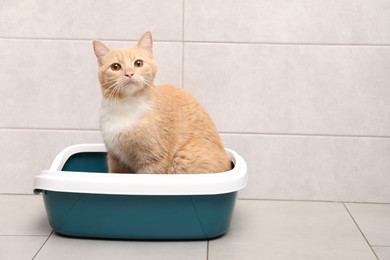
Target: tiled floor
x,y
259,230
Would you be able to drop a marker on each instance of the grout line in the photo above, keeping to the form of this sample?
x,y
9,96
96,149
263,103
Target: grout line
x,y
289,200
221,132
183,20
24,235
208,250
17,194
249,199
315,201
84,39
305,135
374,203
182,44
289,43
360,230
48,129
44,243
203,41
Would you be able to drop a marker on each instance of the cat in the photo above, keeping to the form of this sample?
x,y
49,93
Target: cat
x,y
148,128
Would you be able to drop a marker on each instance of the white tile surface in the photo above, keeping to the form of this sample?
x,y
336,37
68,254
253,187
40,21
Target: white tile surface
x,y
53,84
90,19
324,72
70,248
279,167
23,215
383,253
20,247
314,168
289,93
290,230
373,220
26,153
291,89
301,21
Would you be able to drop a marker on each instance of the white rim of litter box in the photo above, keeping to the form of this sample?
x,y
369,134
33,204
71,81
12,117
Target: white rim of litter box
x,y
138,184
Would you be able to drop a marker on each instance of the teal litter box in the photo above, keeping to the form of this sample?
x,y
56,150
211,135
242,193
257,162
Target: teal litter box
x,y
82,200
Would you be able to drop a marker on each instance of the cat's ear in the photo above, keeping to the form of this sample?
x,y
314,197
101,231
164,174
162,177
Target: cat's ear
x,y
100,51
146,42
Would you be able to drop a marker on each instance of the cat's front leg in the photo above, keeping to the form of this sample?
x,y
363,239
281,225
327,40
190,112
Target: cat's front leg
x,y
116,166
153,168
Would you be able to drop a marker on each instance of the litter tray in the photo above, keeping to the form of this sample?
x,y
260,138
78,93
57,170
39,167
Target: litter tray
x,y
82,200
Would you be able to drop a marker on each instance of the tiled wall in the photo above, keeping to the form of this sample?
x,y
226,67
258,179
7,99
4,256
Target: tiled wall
x,y
300,88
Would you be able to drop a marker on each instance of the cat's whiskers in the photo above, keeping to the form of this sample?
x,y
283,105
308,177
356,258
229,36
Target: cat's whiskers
x,y
121,83
143,81
148,84
115,87
111,88
111,83
115,93
110,79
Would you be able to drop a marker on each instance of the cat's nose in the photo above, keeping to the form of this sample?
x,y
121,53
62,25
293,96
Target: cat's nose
x,y
129,74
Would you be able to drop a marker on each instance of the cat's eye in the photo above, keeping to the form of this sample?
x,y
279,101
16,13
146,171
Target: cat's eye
x,y
138,63
116,66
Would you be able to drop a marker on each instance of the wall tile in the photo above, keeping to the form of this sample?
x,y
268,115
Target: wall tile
x,y
314,168
301,21
26,153
279,167
53,84
292,89
89,19
314,78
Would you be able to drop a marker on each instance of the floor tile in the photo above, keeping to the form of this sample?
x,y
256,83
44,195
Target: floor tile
x,y
23,215
58,247
20,247
291,230
373,220
383,253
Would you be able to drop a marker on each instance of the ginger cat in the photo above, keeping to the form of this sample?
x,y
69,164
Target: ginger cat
x,y
150,129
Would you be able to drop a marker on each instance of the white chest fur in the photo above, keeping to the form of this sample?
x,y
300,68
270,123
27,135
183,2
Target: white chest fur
x,y
117,116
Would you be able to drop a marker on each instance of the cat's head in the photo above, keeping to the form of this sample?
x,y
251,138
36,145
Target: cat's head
x,y
126,72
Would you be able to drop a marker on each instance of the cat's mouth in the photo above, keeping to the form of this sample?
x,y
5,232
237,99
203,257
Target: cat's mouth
x,y
131,86
130,83
136,84
125,87
133,81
